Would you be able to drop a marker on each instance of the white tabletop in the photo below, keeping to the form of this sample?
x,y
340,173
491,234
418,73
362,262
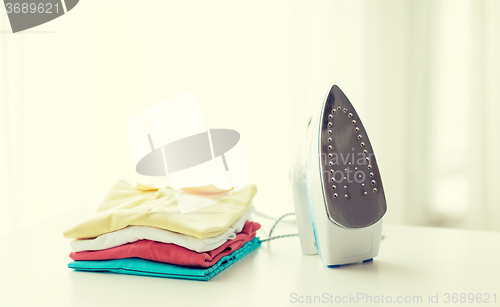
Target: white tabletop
x,y
413,262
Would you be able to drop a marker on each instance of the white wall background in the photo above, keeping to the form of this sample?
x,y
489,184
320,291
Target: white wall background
x,y
423,75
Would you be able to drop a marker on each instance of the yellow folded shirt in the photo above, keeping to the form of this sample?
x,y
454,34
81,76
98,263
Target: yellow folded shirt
x,y
125,205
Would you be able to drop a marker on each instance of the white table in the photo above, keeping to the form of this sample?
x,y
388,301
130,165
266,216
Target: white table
x,y
413,261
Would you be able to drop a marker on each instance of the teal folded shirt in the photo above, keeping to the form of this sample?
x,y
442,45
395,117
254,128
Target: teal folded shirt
x,y
137,266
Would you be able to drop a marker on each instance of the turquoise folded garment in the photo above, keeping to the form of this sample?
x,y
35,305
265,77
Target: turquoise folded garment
x,y
137,266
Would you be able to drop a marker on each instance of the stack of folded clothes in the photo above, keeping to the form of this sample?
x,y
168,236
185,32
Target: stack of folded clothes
x,y
140,231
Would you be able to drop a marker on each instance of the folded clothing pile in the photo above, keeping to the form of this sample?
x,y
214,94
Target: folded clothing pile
x,y
140,231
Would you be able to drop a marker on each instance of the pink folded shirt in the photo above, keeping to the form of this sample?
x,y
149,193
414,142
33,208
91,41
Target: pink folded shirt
x,y
171,253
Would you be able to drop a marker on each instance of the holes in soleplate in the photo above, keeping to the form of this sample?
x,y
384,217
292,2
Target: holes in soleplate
x,y
362,184
373,182
360,137
372,174
354,122
365,151
375,190
362,144
338,108
346,196
330,116
356,129
350,115
332,179
330,163
330,148
335,195
334,187
329,124
332,171
345,187
369,166
329,131
329,140
365,193
330,155
367,159
345,110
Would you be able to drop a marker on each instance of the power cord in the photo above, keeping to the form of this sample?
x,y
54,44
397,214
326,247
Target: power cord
x,y
287,235
274,226
272,217
278,220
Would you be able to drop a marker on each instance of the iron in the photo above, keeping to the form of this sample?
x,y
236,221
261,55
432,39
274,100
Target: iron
x,y
337,189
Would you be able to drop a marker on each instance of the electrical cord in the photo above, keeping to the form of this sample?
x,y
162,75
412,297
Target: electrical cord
x,y
278,220
287,235
280,236
272,217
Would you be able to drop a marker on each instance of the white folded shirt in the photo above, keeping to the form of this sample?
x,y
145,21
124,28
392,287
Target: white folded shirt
x,y
131,234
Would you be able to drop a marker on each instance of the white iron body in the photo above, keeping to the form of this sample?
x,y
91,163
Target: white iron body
x,y
335,243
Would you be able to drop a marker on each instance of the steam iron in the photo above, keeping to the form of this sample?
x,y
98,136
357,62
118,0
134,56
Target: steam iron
x,y
338,194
